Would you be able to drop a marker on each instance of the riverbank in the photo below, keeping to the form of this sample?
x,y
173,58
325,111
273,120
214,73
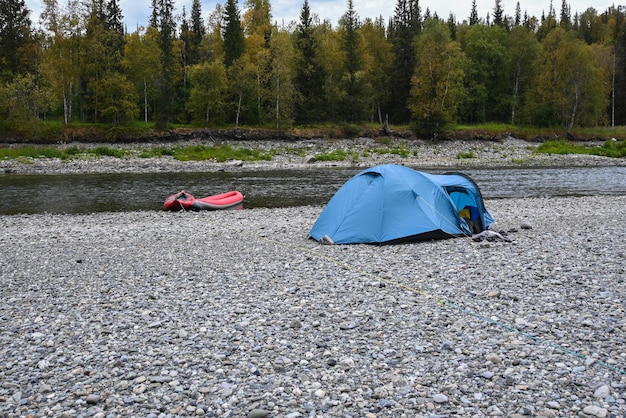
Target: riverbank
x,y
236,313
360,152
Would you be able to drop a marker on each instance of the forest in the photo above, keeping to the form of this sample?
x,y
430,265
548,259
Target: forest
x,y
233,66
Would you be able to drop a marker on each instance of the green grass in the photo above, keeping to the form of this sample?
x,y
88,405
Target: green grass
x,y
616,149
32,152
336,155
401,151
103,151
493,130
190,153
464,155
220,153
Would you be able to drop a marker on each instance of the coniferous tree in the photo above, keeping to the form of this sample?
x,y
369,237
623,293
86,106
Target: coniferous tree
x,y
566,16
498,15
234,43
114,27
185,38
166,31
473,19
197,33
309,79
353,110
154,16
15,34
452,26
405,28
114,17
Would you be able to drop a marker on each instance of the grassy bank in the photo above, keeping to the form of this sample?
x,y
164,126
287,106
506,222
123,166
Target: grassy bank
x,y
54,132
218,153
609,142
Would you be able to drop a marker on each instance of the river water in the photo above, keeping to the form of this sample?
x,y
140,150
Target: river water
x,y
86,193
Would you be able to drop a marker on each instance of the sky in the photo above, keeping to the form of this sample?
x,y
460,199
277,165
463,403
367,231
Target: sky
x,y
137,12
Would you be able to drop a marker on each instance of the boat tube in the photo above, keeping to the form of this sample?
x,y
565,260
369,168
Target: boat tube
x,y
186,201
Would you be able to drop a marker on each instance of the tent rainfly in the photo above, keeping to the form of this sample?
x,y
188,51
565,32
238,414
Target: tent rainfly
x,y
393,203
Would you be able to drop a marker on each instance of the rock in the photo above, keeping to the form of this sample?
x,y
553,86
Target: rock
x,y
553,405
602,392
45,388
139,389
595,411
526,225
494,411
347,363
440,398
320,393
525,411
92,399
494,358
259,413
295,324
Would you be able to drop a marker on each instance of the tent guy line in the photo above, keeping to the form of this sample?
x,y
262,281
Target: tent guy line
x,y
441,301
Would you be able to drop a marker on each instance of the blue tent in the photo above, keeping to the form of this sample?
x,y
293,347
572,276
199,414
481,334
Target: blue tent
x,y
393,203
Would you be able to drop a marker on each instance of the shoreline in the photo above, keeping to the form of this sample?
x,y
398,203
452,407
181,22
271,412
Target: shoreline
x,y
236,313
509,152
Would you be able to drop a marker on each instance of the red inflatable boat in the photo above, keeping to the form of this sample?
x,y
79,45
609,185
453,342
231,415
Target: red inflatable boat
x,y
186,201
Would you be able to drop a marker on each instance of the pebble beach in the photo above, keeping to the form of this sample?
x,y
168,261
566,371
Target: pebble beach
x,y
239,314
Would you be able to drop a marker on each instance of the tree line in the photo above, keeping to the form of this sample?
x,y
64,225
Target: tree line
x,y
236,67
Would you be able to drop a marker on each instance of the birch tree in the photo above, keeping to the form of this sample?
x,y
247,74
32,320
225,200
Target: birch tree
x,y
437,85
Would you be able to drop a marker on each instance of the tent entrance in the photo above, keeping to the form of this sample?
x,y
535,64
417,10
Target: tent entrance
x,y
467,206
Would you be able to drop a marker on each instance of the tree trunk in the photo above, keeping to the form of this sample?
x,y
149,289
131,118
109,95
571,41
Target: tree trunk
x,y
570,125
238,110
145,100
277,102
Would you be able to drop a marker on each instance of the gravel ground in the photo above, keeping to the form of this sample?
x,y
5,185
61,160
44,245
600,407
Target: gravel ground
x,y
236,313
363,152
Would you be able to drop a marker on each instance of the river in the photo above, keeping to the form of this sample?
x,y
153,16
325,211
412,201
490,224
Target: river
x,y
86,193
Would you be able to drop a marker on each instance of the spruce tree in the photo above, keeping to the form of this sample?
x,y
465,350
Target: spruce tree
x,y
166,30
473,19
15,33
234,42
498,15
114,27
354,63
406,27
518,14
309,80
197,32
